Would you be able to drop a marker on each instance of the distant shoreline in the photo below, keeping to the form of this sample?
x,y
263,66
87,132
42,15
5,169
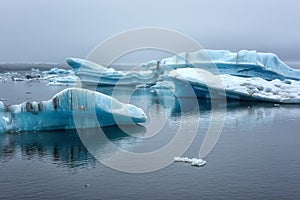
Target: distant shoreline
x,y
5,67
8,67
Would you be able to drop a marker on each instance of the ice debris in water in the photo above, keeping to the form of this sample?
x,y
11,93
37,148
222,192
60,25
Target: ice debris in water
x,y
198,162
54,76
59,112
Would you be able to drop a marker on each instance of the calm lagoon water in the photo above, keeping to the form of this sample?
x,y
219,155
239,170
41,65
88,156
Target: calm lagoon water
x,y
256,156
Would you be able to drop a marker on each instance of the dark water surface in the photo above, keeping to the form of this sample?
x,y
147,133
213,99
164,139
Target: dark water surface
x,y
257,155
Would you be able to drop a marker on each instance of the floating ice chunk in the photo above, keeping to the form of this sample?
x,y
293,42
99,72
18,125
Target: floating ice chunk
x,y
194,161
93,74
58,112
238,88
63,80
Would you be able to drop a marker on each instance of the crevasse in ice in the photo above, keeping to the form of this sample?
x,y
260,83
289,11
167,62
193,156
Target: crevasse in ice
x,y
59,112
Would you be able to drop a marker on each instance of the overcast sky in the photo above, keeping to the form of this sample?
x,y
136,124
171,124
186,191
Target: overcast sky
x,y
50,31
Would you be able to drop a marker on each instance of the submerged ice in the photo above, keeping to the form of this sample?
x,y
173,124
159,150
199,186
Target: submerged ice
x,y
59,112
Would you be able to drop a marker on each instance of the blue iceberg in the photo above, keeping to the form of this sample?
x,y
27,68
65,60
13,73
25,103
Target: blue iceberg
x,y
93,74
247,75
243,63
60,110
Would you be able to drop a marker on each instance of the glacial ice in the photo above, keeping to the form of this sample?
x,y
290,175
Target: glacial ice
x,y
93,74
58,112
198,162
247,75
254,88
243,63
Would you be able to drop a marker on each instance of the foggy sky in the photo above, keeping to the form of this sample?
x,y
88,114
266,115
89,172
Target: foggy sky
x,y
50,31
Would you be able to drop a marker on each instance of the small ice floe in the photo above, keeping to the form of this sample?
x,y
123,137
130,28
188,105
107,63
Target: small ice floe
x,y
59,111
197,162
63,80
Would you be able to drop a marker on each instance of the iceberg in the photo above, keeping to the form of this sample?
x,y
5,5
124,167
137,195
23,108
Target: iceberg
x,y
93,74
236,88
59,111
243,63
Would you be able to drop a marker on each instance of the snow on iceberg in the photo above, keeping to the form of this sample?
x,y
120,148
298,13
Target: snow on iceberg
x,y
198,162
58,112
236,88
93,74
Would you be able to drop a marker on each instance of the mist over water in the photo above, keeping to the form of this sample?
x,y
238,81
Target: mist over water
x,y
35,31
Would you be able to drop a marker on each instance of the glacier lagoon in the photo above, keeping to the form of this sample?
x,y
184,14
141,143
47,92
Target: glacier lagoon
x,y
250,158
255,157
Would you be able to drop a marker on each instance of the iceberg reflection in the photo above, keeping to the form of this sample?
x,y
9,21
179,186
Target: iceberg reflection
x,y
64,148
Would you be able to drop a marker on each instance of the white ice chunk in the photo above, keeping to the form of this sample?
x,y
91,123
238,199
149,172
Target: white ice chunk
x,y
193,161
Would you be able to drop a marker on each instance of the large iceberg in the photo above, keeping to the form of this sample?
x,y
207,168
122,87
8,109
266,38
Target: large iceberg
x,y
59,112
248,75
199,82
243,63
93,74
